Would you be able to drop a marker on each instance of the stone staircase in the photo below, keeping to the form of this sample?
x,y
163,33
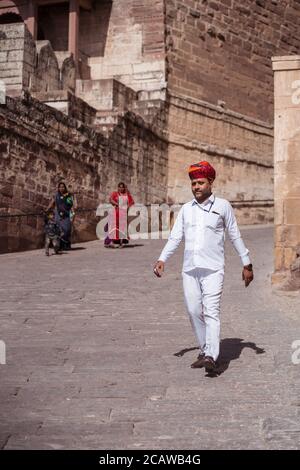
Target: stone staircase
x,y
105,94
112,99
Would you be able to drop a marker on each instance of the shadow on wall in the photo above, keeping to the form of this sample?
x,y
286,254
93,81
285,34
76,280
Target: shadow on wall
x,y
8,18
53,25
93,29
27,232
15,243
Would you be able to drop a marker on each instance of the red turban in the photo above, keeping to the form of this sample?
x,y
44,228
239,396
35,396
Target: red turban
x,y
202,170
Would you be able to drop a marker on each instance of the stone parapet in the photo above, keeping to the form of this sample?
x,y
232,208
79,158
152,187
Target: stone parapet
x,y
68,103
17,57
106,94
31,65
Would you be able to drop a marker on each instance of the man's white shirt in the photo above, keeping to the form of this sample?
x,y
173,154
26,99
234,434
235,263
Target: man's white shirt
x,y
203,228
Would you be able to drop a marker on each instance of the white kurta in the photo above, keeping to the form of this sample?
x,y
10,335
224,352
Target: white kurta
x,y
203,228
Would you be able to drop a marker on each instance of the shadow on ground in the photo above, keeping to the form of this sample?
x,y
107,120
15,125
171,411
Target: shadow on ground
x,y
230,350
132,245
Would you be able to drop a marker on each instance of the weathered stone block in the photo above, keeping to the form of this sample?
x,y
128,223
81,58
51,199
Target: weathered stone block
x,y
289,255
12,44
292,211
15,55
3,56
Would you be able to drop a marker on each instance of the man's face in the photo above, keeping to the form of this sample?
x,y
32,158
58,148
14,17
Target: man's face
x,y
121,188
201,188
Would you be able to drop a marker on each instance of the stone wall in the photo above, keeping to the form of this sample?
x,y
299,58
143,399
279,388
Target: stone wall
x,y
222,49
125,40
240,148
220,84
40,145
287,172
69,104
17,57
26,64
214,59
105,94
46,75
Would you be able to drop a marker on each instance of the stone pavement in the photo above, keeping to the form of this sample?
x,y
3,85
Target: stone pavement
x,y
99,354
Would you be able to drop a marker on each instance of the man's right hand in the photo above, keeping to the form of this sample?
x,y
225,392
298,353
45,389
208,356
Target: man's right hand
x,y
159,268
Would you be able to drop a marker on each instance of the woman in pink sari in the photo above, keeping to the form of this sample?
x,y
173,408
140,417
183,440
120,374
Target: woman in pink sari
x,y
117,227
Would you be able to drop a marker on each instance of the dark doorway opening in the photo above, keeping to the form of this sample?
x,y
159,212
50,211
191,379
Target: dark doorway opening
x,y
53,25
8,18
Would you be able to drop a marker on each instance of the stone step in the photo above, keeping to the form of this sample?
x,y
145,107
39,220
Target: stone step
x,y
147,104
150,95
106,120
105,94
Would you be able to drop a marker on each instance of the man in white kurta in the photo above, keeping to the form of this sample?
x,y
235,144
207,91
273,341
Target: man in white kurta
x,y
202,223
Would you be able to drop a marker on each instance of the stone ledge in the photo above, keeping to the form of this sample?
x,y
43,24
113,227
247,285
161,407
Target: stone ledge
x,y
218,112
289,62
214,150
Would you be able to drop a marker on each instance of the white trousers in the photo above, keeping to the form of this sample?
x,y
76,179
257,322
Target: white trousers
x,y
202,293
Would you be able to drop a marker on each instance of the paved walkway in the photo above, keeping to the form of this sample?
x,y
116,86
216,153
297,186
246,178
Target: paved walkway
x,y
99,354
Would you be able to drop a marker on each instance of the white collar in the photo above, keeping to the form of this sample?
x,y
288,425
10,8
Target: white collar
x,y
210,200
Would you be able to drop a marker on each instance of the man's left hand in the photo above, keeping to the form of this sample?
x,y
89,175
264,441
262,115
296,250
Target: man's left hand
x,y
247,276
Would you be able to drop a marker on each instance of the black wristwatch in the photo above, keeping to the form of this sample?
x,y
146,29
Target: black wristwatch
x,y
248,267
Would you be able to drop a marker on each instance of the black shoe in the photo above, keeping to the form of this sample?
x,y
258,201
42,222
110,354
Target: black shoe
x,y
209,364
199,363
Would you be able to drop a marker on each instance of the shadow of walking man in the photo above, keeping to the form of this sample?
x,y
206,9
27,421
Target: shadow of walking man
x,y
230,350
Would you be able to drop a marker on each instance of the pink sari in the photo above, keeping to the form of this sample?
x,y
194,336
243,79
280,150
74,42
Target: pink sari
x,y
118,218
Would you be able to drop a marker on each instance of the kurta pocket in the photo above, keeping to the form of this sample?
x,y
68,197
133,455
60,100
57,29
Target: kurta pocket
x,y
212,220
